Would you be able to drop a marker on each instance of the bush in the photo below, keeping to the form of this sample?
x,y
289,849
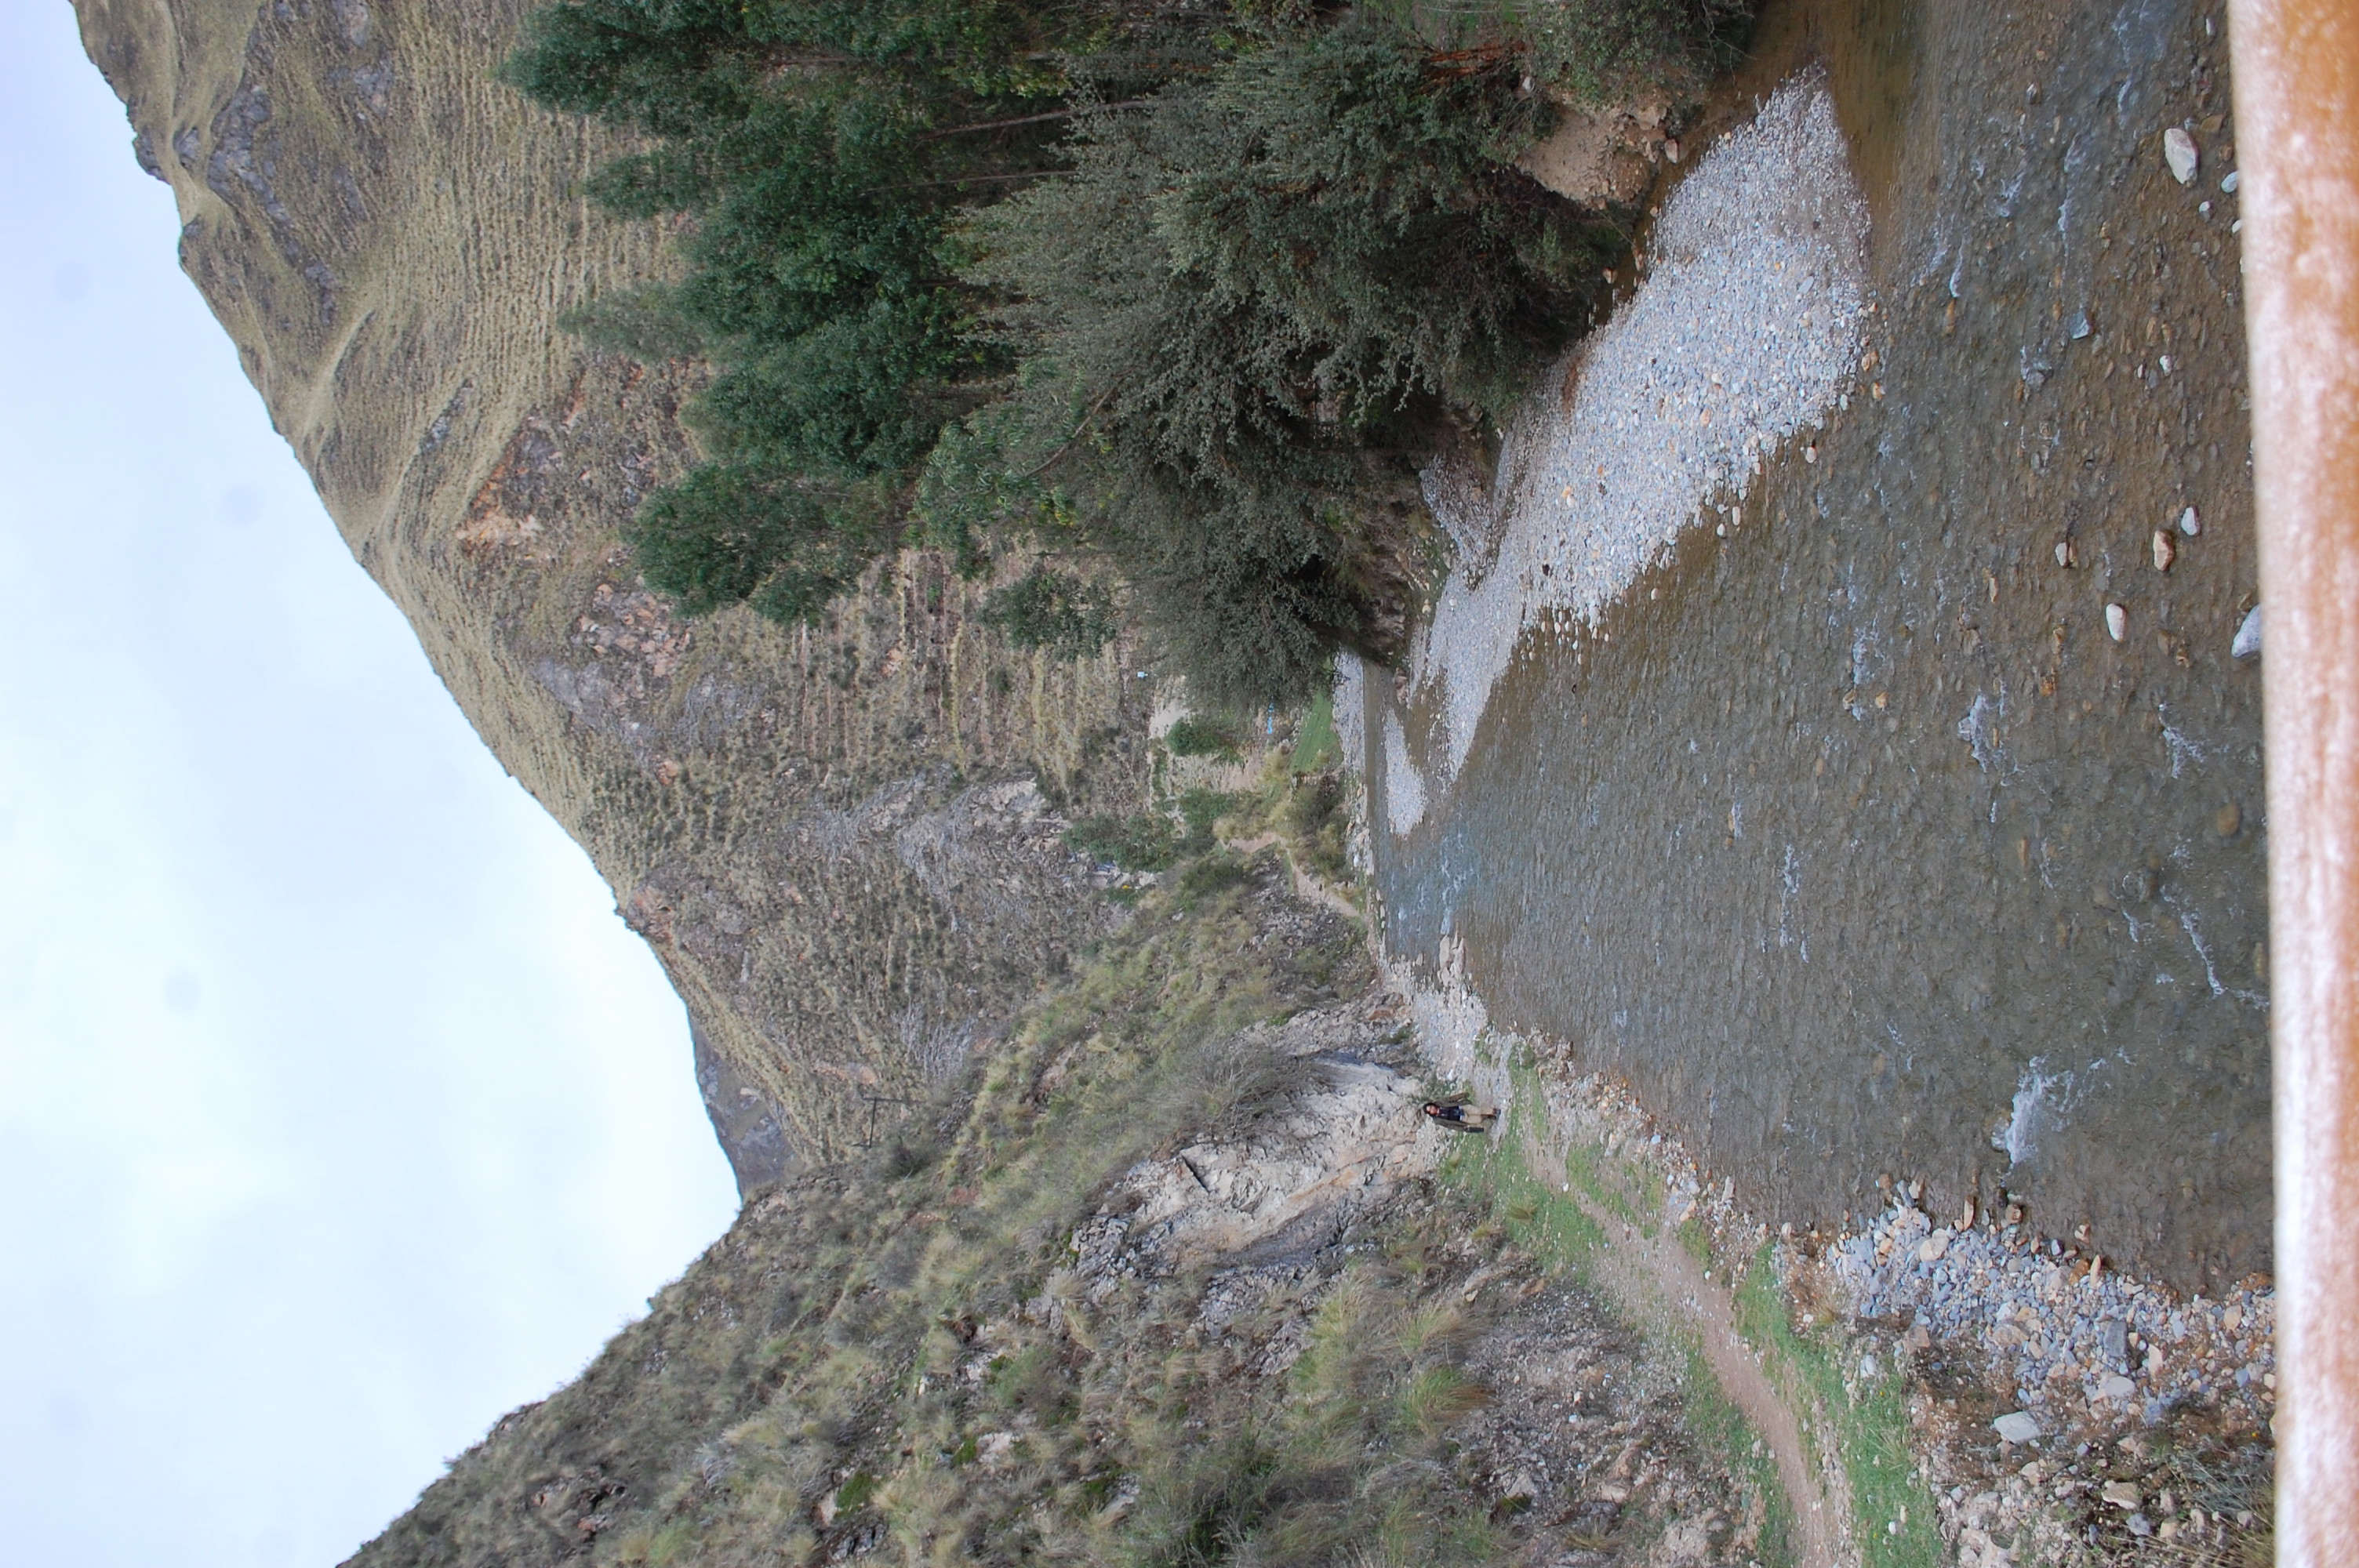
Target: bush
x,y
1314,818
1248,601
1147,842
1054,611
1584,46
728,532
1208,874
1200,809
1152,841
1193,737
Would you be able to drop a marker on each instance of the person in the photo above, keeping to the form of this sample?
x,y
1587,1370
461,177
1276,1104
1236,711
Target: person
x,y
1461,1118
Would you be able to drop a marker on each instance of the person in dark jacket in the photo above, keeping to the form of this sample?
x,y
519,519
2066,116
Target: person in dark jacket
x,y
1460,1118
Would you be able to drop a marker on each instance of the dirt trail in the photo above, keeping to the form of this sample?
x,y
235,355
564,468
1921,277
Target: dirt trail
x,y
1306,885
1656,1281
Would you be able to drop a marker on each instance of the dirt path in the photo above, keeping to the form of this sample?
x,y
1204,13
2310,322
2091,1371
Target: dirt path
x,y
1658,1282
1306,886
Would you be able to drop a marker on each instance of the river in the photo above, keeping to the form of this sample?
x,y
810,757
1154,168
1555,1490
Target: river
x,y
1829,812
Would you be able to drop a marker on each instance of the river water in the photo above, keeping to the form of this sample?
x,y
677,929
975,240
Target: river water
x,y
1829,813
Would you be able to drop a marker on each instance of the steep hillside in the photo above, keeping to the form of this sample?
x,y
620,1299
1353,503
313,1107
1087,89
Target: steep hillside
x,y
1180,1276
845,844
1187,1279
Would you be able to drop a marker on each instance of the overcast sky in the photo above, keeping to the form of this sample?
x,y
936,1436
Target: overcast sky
x,y
339,1113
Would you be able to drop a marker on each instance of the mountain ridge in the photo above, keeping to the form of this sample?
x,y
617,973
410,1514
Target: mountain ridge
x,y
389,237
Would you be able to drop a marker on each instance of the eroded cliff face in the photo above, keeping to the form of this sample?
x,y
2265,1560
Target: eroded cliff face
x,y
844,843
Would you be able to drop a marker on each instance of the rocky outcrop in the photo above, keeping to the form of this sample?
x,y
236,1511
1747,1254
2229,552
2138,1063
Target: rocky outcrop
x,y
844,842
1604,155
1343,1137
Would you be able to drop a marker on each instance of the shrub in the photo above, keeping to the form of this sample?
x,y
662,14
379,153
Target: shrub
x,y
1314,818
1147,842
1054,611
1208,874
1194,737
1584,46
1152,840
733,532
1200,809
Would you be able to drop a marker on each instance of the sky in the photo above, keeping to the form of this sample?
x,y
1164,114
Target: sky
x,y
338,1112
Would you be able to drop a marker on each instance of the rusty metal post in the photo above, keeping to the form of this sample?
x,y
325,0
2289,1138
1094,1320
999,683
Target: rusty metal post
x,y
2296,101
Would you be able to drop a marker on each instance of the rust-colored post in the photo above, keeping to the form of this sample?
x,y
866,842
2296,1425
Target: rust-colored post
x,y
2297,86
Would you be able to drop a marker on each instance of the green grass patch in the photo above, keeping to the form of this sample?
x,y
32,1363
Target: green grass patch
x,y
1316,744
1871,1433
1581,1169
1548,1221
855,1492
1544,1221
1206,875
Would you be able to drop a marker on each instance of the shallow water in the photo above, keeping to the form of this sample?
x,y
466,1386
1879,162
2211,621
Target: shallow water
x,y
1847,834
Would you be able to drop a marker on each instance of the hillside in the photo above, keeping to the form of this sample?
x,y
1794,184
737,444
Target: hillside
x,y
844,844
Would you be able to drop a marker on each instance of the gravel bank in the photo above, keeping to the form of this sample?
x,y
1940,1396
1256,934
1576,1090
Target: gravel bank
x,y
1746,329
2086,1349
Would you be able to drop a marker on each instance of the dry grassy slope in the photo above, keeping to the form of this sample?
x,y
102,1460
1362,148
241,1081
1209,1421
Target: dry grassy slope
x,y
389,236
1173,1282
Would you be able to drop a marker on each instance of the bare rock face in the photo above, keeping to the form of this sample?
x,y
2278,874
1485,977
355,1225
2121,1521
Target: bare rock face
x,y
743,1118
844,842
1344,1138
1603,155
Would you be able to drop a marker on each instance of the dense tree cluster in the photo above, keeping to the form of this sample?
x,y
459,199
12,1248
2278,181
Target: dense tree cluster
x,y
1179,291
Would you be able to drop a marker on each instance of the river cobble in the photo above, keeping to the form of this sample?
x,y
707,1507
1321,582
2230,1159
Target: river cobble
x,y
2086,1348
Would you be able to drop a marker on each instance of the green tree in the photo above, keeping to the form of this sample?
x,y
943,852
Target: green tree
x,y
822,152
728,532
1192,290
1269,294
